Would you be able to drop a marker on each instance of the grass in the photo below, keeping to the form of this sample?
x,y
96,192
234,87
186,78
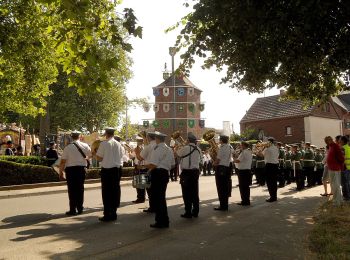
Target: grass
x,y
330,237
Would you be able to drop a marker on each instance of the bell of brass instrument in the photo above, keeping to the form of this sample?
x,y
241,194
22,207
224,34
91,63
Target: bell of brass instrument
x,y
95,145
178,138
127,147
143,134
208,136
259,147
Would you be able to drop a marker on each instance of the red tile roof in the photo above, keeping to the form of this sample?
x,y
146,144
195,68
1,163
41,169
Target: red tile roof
x,y
179,81
271,107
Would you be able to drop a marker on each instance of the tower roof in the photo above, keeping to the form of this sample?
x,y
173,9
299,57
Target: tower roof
x,y
180,80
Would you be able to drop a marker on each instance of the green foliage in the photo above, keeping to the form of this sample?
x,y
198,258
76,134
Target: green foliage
x,y
13,173
133,129
330,235
88,39
92,111
235,137
250,134
302,46
16,173
33,160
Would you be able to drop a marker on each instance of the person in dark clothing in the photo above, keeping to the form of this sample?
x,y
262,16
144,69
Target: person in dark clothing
x,y
51,154
8,150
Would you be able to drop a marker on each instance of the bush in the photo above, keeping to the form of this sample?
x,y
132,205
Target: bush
x,y
33,160
13,173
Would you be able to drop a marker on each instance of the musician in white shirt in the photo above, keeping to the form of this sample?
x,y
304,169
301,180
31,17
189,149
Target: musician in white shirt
x,y
74,162
190,157
243,163
145,157
271,155
110,153
222,173
160,163
139,169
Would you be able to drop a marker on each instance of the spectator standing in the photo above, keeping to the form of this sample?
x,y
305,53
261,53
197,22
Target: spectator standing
x,y
335,161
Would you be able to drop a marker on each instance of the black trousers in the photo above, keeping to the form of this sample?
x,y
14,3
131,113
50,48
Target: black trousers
x,y
75,176
281,177
318,176
288,175
271,171
174,172
244,180
300,179
260,176
189,187
310,175
159,182
110,182
223,184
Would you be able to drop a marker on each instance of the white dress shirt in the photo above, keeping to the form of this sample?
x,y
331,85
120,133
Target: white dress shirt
x,y
147,151
245,160
112,153
162,156
271,154
191,161
225,154
72,155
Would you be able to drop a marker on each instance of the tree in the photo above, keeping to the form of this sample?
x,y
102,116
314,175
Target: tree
x,y
303,46
88,39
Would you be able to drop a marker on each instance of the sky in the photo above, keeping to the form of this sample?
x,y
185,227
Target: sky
x,y
150,53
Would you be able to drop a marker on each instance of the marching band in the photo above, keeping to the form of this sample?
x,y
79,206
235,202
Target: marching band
x,y
271,162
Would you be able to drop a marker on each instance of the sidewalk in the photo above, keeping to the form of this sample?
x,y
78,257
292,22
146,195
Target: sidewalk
x,y
36,189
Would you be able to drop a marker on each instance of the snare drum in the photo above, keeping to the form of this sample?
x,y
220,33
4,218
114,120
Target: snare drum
x,y
141,181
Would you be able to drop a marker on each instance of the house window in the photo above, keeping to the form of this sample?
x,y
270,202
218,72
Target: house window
x,y
288,130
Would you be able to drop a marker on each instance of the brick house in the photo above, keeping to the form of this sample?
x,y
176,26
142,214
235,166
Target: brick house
x,y
178,107
289,122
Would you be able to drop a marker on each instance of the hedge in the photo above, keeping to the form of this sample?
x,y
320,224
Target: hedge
x,y
34,160
12,173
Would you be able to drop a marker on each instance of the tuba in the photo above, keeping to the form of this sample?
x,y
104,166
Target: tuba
x,y
178,138
208,136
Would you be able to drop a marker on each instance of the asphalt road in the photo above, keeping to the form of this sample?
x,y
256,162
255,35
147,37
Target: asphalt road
x,y
35,227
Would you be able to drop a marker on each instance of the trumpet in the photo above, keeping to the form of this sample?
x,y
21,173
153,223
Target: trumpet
x,y
143,134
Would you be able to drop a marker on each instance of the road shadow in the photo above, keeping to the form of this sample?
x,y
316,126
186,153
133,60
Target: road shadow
x,y
267,229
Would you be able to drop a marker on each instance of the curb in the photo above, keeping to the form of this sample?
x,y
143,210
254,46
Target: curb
x,y
31,192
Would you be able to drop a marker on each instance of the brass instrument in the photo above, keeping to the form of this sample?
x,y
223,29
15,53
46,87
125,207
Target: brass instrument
x,y
95,145
178,138
127,147
143,134
208,136
259,147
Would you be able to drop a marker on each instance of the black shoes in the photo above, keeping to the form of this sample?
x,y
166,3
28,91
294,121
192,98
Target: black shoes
x,y
138,201
271,200
107,219
71,213
157,225
243,204
187,215
221,209
148,210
